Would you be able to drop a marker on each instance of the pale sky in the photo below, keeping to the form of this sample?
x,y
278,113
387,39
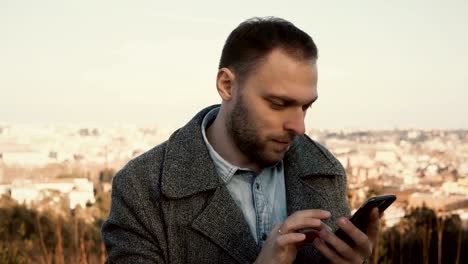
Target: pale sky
x,y
382,63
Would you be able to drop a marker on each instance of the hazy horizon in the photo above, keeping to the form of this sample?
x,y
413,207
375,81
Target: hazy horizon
x,y
382,64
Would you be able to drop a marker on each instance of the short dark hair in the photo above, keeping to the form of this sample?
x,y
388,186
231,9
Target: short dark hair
x,y
255,38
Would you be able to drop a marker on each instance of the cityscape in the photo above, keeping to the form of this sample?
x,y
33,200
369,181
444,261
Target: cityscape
x,y
87,86
68,168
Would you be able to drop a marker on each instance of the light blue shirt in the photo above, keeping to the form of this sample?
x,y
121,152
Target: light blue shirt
x,y
261,197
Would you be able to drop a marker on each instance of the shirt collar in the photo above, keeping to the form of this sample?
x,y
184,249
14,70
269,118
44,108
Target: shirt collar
x,y
225,169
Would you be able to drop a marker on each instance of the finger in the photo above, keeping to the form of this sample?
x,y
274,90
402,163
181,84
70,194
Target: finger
x,y
289,239
304,219
374,224
312,213
351,230
327,252
341,247
361,240
300,224
312,233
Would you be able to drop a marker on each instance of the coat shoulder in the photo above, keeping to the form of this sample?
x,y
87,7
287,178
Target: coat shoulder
x,y
328,154
144,171
317,148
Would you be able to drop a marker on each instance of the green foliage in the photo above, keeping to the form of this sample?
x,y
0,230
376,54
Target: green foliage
x,y
11,255
23,231
16,221
415,239
72,175
102,203
106,175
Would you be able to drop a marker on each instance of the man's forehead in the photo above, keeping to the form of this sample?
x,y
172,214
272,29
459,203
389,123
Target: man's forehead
x,y
288,78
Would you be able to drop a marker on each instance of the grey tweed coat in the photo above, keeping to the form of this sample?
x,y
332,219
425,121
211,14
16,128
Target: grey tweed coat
x,y
169,205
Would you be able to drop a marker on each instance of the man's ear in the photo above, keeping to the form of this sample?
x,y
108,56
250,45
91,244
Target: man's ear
x,y
225,83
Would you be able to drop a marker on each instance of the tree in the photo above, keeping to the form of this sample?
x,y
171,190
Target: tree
x,y
106,175
416,239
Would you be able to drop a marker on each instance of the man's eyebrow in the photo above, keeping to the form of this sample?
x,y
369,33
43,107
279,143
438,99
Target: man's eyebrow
x,y
290,101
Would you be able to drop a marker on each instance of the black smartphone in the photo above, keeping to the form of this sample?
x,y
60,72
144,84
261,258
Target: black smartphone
x,y
361,217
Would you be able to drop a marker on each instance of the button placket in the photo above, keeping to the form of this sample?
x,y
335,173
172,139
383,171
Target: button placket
x,y
261,209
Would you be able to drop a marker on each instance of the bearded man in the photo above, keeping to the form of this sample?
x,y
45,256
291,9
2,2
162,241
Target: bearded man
x,y
241,181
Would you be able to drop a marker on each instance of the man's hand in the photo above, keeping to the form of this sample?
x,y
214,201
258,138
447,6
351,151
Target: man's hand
x,y
337,251
281,244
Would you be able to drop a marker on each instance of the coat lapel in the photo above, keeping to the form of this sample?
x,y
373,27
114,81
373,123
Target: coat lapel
x,y
310,170
188,170
223,222
307,169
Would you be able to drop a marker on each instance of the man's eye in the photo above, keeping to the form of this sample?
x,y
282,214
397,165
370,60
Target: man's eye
x,y
276,105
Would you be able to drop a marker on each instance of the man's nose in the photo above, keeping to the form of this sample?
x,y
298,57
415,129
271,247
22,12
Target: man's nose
x,y
295,123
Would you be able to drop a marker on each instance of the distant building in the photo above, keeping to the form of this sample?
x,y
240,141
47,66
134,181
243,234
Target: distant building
x,y
80,191
5,189
24,192
437,202
386,156
2,169
30,158
455,187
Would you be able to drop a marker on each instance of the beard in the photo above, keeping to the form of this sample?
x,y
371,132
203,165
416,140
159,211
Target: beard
x,y
245,132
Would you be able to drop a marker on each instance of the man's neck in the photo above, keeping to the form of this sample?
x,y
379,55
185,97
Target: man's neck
x,y
224,145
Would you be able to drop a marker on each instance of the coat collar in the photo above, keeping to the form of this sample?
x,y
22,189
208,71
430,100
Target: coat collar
x,y
188,168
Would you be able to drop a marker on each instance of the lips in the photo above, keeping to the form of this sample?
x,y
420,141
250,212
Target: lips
x,y
285,139
282,143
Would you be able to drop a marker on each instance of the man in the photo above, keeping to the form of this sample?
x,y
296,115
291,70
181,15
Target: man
x,y
240,182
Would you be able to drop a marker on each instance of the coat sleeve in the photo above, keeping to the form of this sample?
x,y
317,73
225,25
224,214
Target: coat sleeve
x,y
132,232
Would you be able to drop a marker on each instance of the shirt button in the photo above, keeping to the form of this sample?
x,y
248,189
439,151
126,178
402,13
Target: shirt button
x,y
264,236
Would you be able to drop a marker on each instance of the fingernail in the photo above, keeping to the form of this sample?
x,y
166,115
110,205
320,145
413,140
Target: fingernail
x,y
323,233
317,241
344,221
